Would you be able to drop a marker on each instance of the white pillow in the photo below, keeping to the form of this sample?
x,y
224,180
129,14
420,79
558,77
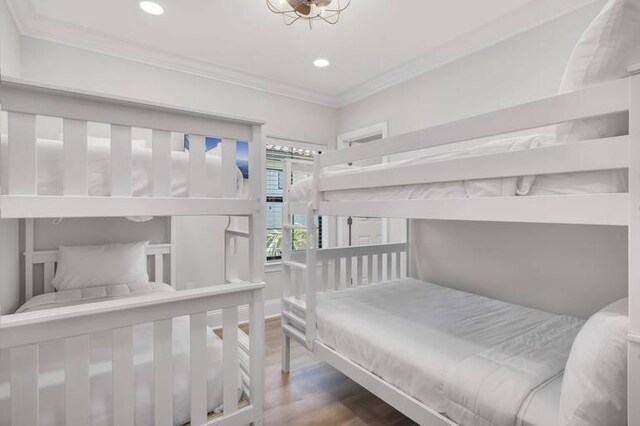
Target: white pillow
x,y
594,388
604,52
90,266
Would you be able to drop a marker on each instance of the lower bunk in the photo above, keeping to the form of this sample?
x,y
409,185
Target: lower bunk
x,y
447,357
129,354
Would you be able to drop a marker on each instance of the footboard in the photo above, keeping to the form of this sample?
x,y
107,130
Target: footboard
x,y
23,334
336,269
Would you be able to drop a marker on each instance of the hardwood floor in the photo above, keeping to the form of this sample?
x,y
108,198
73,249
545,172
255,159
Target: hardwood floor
x,y
314,393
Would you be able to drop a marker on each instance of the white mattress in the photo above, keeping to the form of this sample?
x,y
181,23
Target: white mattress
x,y
595,182
477,360
51,159
52,363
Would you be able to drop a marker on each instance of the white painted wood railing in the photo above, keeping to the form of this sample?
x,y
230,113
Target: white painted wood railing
x,y
335,269
21,335
600,154
25,102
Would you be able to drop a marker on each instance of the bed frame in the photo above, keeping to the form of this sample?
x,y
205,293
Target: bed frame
x,y
317,270
21,334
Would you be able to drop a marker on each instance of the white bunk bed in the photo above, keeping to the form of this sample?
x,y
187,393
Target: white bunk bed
x,y
153,344
412,343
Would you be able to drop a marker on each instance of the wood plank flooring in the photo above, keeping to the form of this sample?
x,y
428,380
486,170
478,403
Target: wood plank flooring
x,y
314,393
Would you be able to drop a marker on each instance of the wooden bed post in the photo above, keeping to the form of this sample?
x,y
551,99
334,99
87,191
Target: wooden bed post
x,y
634,249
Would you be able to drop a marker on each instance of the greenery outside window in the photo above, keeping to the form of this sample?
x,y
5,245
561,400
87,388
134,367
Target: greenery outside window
x,y
276,157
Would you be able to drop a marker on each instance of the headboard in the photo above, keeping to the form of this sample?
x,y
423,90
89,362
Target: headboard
x,y
48,258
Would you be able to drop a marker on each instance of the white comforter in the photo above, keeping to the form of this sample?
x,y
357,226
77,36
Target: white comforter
x,y
603,181
52,363
475,359
51,159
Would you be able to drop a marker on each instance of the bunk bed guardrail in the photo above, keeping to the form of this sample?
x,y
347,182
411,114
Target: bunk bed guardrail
x,y
24,101
22,334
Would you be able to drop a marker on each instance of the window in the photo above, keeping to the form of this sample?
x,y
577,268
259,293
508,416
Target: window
x,y
276,157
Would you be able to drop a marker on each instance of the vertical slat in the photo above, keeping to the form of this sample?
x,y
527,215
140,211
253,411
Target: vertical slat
x,y
229,168
161,160
379,276
230,359
76,381
163,372
23,177
24,386
123,378
359,268
349,270
172,254
158,268
634,249
49,268
256,353
28,258
120,161
325,275
369,268
388,275
396,261
337,282
75,157
198,346
257,224
197,166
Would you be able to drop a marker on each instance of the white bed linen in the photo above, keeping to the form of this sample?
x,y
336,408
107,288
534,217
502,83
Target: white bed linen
x,y
542,407
51,159
473,358
595,182
52,363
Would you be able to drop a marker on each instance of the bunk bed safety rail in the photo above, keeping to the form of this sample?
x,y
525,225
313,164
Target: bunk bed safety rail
x,y
346,267
608,153
22,334
24,102
599,100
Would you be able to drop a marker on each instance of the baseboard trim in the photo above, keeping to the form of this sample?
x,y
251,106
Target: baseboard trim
x,y
271,309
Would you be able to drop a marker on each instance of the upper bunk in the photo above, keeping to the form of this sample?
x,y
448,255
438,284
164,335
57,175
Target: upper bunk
x,y
73,177
390,190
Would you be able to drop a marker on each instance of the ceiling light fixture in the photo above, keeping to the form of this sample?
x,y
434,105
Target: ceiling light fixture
x,y
151,7
308,10
321,63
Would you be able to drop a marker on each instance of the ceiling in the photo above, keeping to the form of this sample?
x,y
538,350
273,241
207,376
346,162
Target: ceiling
x,y
377,43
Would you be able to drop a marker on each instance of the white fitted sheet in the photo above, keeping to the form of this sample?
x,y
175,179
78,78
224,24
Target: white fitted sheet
x,y
50,166
52,362
477,360
594,182
542,408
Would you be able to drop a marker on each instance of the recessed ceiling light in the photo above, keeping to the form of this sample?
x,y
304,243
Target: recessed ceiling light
x,y
151,7
321,63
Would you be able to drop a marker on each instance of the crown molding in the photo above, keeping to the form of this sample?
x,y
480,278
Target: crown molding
x,y
533,14
31,24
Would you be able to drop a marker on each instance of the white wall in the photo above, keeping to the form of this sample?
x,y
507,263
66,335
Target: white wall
x,y
9,266
9,43
572,269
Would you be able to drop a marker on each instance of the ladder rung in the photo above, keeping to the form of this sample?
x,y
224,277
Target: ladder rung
x,y
292,303
294,265
295,320
294,333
